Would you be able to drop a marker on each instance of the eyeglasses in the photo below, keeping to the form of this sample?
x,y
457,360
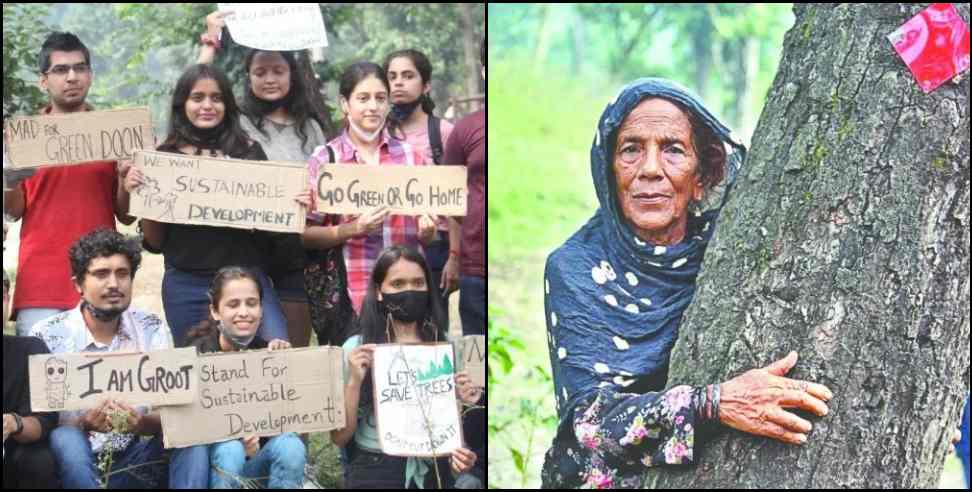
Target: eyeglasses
x,y
62,70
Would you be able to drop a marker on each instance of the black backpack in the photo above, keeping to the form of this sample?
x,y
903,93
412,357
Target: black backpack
x,y
435,139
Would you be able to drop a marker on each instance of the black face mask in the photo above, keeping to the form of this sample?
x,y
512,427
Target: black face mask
x,y
401,112
410,306
264,108
105,315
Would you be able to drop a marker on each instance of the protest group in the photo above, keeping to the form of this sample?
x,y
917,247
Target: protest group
x,y
306,286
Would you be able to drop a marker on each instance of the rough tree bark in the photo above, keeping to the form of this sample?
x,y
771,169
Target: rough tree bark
x,y
847,240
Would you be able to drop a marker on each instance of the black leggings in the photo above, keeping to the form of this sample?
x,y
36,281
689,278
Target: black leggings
x,y
30,466
380,471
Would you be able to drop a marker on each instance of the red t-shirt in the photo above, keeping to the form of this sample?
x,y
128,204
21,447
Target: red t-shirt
x,y
62,204
467,146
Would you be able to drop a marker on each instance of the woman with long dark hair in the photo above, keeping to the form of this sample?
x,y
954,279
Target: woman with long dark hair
x,y
205,122
402,307
369,138
278,112
410,75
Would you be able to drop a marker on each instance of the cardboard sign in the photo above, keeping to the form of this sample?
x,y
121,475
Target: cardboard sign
x,y
405,190
474,358
276,26
415,398
184,189
260,393
79,381
934,44
73,138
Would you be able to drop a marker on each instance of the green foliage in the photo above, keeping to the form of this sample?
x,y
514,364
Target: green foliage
x,y
707,47
139,50
23,32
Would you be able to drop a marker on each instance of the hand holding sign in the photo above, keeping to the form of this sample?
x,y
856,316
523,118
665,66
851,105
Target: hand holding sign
x,y
371,222
467,390
96,419
463,460
426,225
361,359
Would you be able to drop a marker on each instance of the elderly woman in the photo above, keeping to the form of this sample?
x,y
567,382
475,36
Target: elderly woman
x,y
616,292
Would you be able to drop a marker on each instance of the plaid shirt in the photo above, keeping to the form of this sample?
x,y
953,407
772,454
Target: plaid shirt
x,y
361,253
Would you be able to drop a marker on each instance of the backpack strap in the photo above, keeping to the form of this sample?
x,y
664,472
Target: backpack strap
x,y
435,139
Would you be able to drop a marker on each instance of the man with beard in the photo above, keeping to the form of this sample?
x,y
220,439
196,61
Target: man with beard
x,y
103,266
59,204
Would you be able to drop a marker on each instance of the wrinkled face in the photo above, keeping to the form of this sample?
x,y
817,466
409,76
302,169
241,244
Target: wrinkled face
x,y
656,170
368,104
205,108
107,283
269,76
406,82
239,307
67,80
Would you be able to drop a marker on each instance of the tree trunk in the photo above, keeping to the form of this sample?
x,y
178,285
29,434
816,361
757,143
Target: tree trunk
x,y
470,47
847,240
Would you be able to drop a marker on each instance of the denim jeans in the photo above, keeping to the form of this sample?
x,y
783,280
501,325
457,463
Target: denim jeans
x,y
472,305
27,318
188,468
186,303
963,446
282,460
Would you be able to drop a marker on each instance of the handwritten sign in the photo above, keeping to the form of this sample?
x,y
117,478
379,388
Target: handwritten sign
x,y
405,190
185,189
276,26
474,358
415,398
79,381
260,393
61,139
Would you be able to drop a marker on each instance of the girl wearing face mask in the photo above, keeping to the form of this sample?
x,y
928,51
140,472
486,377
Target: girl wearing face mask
x,y
369,139
278,113
401,306
205,121
410,75
235,306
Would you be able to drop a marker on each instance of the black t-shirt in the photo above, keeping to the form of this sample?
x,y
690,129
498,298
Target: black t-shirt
x,y
16,394
203,249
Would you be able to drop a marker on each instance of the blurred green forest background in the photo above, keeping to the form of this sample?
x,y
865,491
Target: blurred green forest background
x,y
553,69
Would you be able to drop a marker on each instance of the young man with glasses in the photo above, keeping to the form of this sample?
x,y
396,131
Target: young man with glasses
x,y
58,205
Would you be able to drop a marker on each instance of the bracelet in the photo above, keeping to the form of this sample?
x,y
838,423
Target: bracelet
x,y
208,40
453,252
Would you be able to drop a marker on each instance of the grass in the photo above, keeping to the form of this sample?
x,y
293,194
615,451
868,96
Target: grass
x,y
540,192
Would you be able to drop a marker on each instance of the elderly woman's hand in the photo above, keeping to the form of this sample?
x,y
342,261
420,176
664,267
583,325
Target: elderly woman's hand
x,y
755,401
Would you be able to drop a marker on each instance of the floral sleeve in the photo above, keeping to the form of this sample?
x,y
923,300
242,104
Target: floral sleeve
x,y
619,434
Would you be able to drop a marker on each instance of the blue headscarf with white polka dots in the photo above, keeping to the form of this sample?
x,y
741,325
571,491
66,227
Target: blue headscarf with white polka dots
x,y
613,301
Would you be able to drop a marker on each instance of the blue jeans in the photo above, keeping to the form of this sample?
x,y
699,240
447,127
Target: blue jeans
x,y
186,302
27,318
282,460
188,468
472,305
963,446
